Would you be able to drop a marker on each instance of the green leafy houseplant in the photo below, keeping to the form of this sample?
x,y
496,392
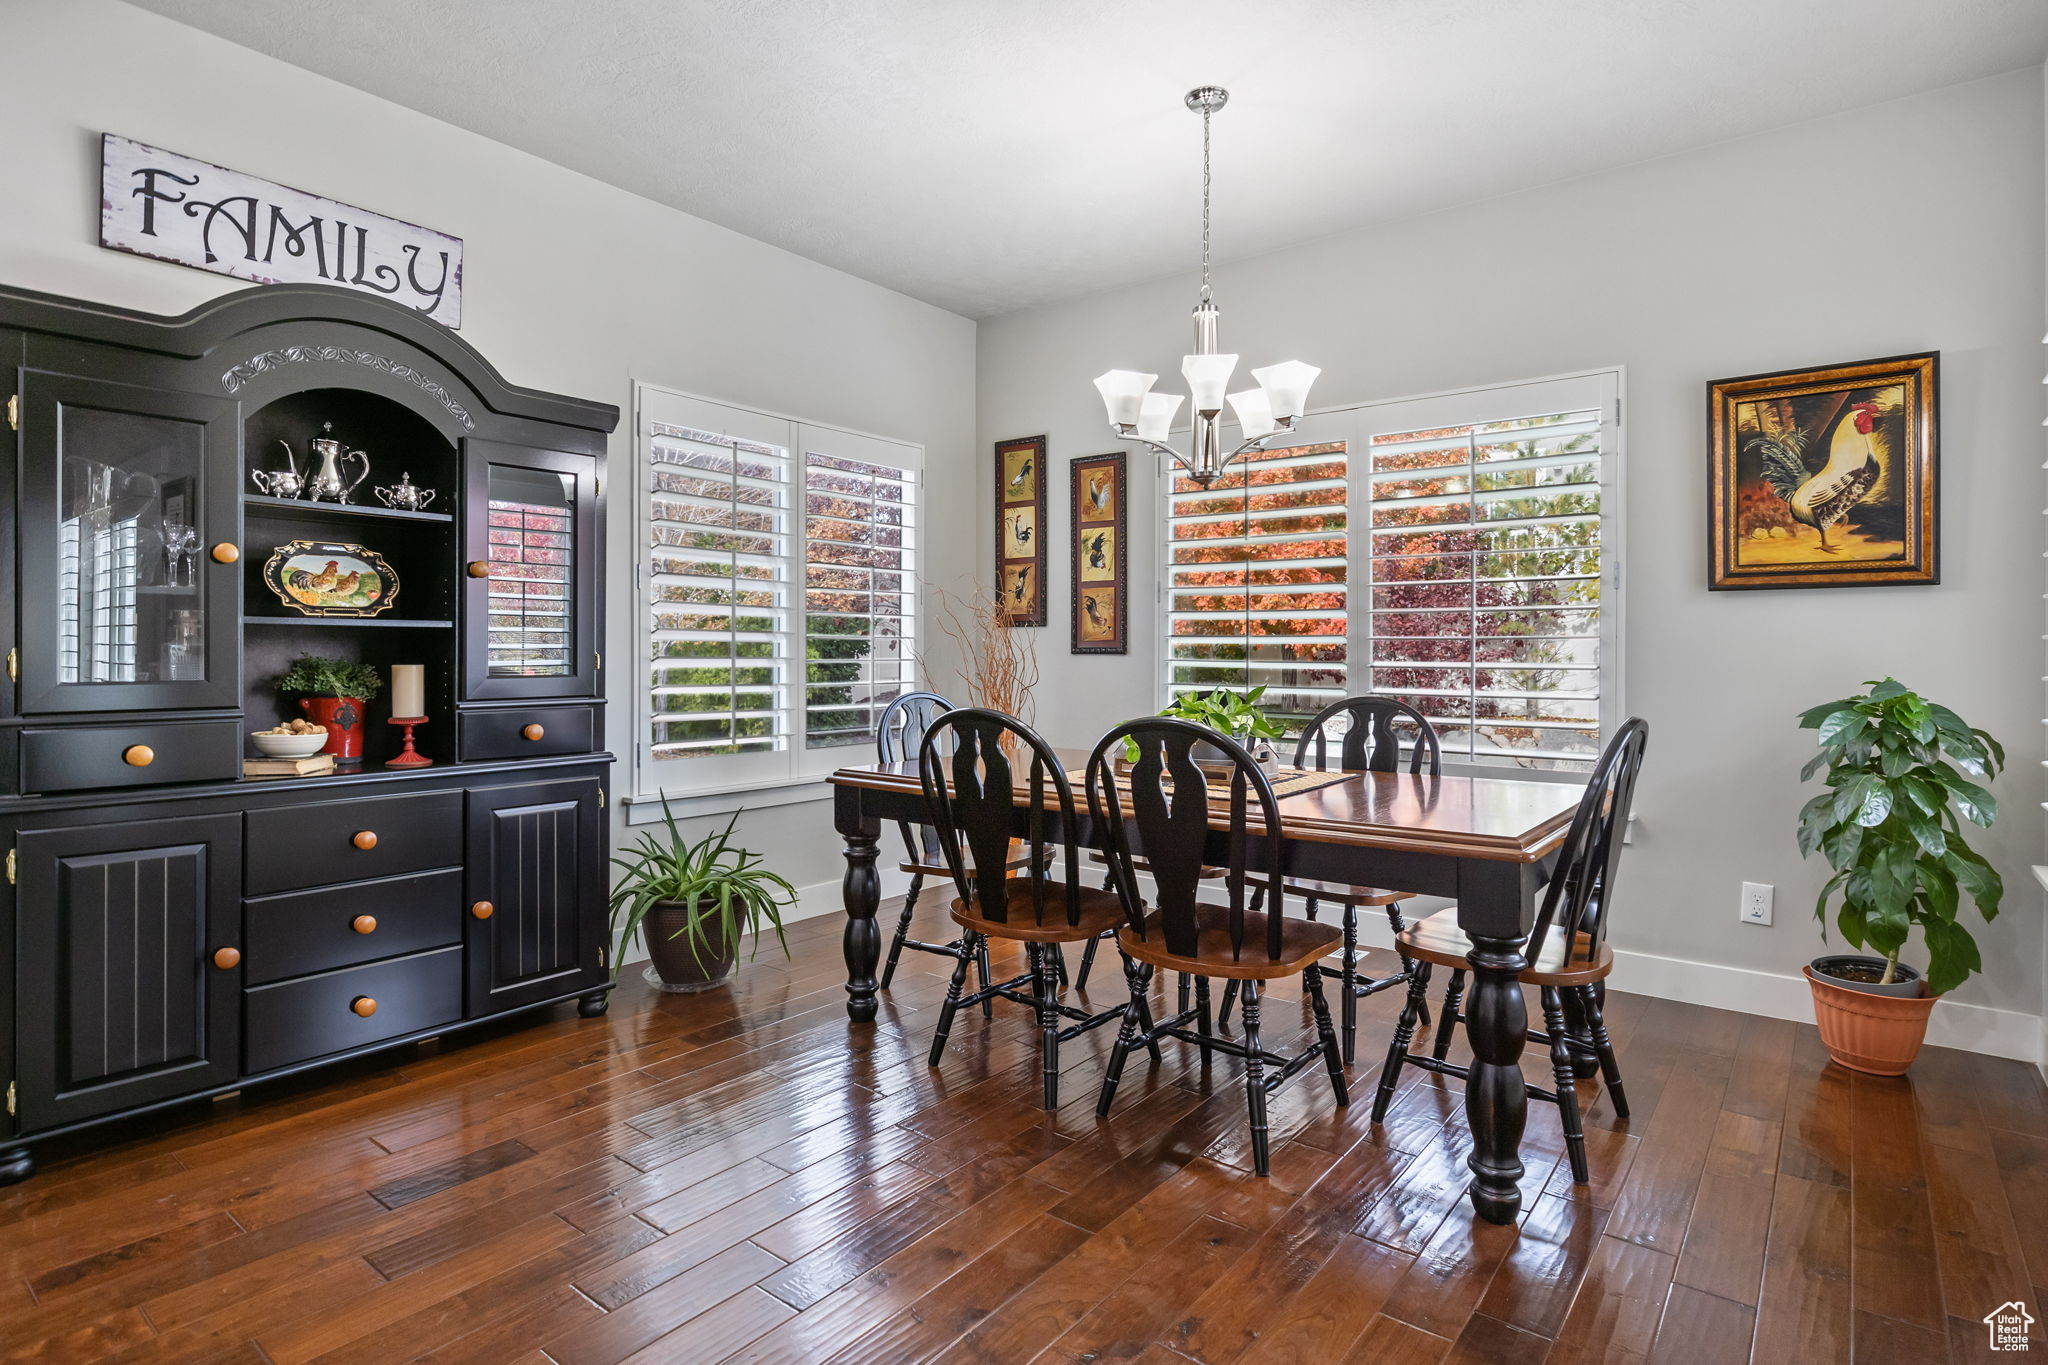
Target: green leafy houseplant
x,y
323,677
1235,714
1891,826
716,890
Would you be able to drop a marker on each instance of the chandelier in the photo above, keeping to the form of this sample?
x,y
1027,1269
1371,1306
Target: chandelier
x,y
1270,410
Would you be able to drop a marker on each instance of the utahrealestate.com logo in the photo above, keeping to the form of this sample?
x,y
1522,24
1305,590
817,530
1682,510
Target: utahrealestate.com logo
x,y
2009,1323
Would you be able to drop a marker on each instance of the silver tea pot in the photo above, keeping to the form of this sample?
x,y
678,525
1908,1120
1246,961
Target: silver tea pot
x,y
405,495
327,482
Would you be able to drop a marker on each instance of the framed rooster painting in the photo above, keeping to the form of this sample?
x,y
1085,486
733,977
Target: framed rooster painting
x,y
1100,583
1825,478
1020,530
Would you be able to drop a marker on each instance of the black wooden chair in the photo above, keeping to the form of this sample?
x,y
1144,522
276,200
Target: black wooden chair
x,y
1138,816
1567,957
972,803
1369,744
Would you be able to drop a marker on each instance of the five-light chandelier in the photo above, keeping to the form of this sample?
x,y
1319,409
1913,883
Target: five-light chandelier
x,y
1270,410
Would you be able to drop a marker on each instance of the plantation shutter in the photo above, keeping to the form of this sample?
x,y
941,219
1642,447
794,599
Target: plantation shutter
x,y
1257,590
860,567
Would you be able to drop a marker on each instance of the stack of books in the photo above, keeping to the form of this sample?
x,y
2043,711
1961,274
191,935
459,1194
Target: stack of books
x,y
288,767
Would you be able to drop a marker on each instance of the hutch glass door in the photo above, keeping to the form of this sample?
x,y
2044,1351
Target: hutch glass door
x,y
531,523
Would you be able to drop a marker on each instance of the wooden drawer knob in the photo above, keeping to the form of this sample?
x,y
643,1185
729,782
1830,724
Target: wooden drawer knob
x,y
225,553
225,958
363,1005
138,755
364,924
365,839
479,568
483,909
534,731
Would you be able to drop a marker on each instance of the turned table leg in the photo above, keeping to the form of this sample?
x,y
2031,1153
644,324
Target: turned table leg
x,y
862,890
1496,1101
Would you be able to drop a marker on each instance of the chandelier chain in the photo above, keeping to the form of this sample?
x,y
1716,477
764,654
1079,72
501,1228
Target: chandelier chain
x,y
1205,204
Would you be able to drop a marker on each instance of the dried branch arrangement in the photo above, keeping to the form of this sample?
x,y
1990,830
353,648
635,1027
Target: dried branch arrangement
x,y
998,663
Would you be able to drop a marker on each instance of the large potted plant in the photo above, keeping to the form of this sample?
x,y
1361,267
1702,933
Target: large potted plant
x,y
334,693
691,902
1898,770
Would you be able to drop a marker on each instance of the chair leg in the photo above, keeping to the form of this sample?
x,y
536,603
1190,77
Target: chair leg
x,y
1145,1021
981,969
1059,962
1048,1026
1087,963
953,988
1312,982
1610,1070
902,929
1136,974
1349,1003
1184,980
1447,1023
1562,1067
1255,1078
1203,1023
1397,924
1229,998
1397,1052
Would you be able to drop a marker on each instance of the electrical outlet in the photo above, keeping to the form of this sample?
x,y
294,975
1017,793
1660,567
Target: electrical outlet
x,y
1756,903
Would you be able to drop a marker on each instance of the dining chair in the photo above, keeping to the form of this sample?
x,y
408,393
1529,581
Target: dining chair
x,y
971,796
1567,952
1164,810
1369,743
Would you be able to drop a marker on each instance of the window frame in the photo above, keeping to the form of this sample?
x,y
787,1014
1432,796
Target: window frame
x,y
721,783
1355,424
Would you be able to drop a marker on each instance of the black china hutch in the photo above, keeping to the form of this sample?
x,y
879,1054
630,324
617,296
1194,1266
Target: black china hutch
x,y
169,927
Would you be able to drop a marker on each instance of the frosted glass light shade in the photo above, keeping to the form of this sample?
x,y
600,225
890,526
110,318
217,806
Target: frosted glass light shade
x,y
1254,413
1123,393
1208,376
1155,417
1286,386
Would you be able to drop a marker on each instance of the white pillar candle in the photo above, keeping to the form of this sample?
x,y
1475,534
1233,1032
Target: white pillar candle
x,y
408,691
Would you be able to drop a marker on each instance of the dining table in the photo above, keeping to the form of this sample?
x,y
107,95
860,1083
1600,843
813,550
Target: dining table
x,y
1488,842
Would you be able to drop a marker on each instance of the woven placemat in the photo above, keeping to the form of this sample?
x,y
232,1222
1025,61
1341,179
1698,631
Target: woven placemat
x,y
1287,782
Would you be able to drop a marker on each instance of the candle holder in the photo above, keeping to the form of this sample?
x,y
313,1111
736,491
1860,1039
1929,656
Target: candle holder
x,y
409,758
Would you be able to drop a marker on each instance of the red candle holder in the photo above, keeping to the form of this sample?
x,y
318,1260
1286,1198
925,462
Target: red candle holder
x,y
409,758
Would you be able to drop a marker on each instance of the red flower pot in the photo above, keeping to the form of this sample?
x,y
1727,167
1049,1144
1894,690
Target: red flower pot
x,y
343,717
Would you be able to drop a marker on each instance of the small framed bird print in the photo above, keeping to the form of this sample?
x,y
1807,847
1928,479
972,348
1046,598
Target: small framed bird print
x,y
1825,478
1020,530
1100,579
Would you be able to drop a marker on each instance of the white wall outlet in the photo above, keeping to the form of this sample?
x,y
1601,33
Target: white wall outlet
x,y
1756,903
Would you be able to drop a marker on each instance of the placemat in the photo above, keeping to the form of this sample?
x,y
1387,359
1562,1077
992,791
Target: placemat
x,y
1287,782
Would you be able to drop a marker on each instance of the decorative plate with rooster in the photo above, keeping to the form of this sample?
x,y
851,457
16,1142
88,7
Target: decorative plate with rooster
x,y
331,578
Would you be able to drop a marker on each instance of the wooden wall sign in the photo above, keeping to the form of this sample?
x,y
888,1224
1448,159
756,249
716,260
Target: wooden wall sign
x,y
174,208
1101,611
1020,529
1825,478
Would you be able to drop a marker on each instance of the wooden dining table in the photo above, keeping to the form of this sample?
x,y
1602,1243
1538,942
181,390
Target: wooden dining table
x,y
1487,842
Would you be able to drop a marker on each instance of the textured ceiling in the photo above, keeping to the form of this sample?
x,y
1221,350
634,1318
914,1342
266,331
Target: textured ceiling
x,y
988,155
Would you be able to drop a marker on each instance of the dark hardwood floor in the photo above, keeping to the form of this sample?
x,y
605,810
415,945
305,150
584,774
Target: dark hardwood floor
x,y
731,1176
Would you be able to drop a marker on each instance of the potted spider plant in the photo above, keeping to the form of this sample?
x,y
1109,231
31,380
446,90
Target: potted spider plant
x,y
691,902
334,693
1898,770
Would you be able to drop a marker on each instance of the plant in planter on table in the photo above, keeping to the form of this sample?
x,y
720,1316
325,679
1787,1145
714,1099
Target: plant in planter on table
x,y
690,902
1235,714
1890,824
335,693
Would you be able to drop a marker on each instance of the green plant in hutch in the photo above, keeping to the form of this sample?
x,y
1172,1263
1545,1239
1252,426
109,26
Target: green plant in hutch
x,y
1899,772
319,676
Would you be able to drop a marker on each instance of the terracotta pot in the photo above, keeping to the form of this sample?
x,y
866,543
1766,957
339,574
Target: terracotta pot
x,y
1877,1034
343,717
676,957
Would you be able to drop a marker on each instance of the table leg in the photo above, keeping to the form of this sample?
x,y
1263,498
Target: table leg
x,y
862,892
1496,1101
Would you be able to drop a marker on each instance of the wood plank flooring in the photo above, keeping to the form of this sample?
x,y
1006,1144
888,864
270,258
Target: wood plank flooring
x,y
738,1176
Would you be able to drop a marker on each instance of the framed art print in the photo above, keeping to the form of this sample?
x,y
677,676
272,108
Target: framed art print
x,y
1020,529
1100,581
1825,478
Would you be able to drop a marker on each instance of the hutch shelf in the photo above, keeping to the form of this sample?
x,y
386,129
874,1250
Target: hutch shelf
x,y
171,929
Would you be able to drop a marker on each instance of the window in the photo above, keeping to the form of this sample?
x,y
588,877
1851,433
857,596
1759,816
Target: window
x,y
1457,552
777,582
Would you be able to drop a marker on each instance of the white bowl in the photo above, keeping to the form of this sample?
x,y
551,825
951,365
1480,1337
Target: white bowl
x,y
291,746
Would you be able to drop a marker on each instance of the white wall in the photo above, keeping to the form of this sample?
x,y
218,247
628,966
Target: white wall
x,y
571,285
1910,226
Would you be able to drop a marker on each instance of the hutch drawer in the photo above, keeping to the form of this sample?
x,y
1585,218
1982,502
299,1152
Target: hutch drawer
x,y
527,732
311,1016
293,847
80,758
313,931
